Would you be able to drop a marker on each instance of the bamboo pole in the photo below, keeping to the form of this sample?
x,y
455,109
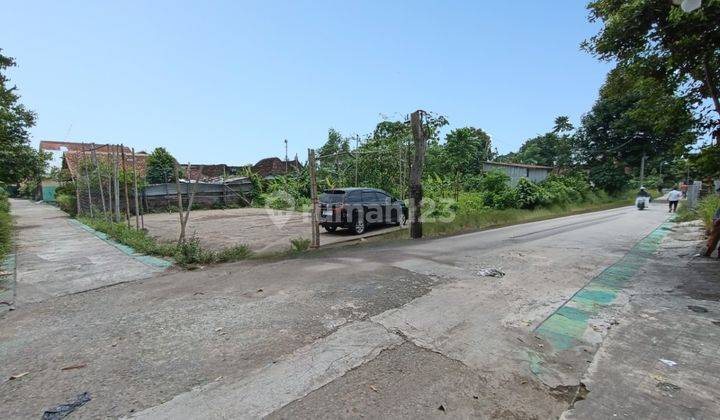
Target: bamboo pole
x,y
87,180
116,183
125,175
135,192
100,180
181,236
110,183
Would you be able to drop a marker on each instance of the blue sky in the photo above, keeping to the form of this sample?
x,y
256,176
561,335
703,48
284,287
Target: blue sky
x,y
227,81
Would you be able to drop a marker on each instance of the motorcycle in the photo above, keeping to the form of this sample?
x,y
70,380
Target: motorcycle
x,y
642,202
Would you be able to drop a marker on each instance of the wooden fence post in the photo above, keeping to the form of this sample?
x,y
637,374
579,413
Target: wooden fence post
x,y
416,171
181,237
315,233
116,182
135,193
87,180
125,183
111,207
100,180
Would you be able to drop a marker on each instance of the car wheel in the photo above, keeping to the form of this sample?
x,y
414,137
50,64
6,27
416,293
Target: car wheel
x,y
358,226
330,229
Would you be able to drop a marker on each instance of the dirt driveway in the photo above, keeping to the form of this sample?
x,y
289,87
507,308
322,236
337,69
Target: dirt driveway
x,y
263,230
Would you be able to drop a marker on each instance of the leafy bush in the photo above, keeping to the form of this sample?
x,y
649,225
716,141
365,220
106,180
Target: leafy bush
x,y
28,189
5,224
471,203
234,253
505,200
67,203
299,244
706,209
529,194
190,253
494,182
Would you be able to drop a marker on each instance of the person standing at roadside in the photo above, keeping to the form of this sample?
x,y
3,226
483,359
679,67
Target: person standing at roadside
x,y
714,238
673,197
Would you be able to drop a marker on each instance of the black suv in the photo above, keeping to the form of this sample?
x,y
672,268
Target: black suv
x,y
358,208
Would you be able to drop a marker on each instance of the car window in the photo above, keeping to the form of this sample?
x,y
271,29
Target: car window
x,y
332,196
354,197
369,197
383,198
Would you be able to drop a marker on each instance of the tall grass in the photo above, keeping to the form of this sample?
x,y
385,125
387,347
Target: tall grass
x,y
490,218
5,224
706,209
189,254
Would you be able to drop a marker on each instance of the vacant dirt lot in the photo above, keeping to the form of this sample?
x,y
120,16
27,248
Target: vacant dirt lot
x,y
262,230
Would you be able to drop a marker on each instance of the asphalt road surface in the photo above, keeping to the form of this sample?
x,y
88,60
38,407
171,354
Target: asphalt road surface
x,y
384,329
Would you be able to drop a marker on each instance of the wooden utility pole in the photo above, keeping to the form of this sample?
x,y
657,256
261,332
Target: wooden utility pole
x,y
135,192
315,233
416,170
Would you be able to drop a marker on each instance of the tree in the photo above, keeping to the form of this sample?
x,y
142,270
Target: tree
x,y
685,45
465,150
336,160
635,114
550,149
562,125
18,160
160,167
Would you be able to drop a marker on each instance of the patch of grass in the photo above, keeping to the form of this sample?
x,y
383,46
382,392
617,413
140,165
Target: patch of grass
x,y
685,213
233,253
138,240
706,209
5,224
299,244
465,222
188,254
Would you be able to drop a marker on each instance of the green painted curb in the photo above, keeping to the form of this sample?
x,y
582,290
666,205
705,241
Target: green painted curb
x,y
565,327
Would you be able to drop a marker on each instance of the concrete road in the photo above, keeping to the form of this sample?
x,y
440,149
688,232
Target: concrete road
x,y
391,329
57,256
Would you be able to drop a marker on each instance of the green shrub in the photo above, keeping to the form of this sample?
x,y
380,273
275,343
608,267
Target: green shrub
x,y
471,203
529,194
505,200
190,253
67,203
685,214
494,182
234,253
706,209
299,244
5,224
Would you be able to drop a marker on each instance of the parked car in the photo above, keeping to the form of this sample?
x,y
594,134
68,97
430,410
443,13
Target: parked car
x,y
358,208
